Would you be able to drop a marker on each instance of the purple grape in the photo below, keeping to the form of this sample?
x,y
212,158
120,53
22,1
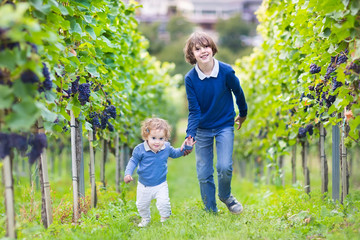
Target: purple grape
x,y
96,122
336,84
341,59
353,66
75,86
302,132
29,76
104,120
4,145
19,142
111,110
110,127
314,68
309,129
47,83
37,143
84,93
93,114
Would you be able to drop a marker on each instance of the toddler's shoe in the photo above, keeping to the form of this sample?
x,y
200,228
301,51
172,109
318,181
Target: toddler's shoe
x,y
163,219
233,205
144,222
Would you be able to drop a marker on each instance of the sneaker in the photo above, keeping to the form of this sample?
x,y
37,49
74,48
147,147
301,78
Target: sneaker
x,y
163,219
233,205
144,222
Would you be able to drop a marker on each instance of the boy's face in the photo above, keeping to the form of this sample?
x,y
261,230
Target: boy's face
x,y
203,54
156,139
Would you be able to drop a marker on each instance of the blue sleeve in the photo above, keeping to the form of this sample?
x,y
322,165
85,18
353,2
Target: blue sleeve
x,y
234,84
133,162
176,152
194,109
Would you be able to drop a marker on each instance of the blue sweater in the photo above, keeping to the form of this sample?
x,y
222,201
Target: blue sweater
x,y
210,100
152,167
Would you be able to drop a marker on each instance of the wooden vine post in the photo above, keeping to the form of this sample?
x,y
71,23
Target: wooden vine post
x,y
80,160
76,207
344,165
335,163
323,160
46,208
9,197
304,155
282,170
117,164
92,169
103,161
293,163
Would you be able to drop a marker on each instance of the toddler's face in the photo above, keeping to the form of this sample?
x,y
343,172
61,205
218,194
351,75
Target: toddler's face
x,y
156,139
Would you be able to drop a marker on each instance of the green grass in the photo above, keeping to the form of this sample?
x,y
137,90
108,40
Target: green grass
x,y
269,212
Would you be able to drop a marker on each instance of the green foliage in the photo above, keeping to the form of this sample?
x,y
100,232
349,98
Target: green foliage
x,y
98,43
282,94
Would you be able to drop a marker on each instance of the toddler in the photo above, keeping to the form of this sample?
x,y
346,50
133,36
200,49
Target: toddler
x,y
151,159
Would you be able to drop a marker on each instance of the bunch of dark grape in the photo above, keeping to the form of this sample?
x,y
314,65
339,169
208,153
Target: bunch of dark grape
x,y
84,93
314,68
95,120
47,83
308,129
37,142
329,71
75,86
336,84
302,132
104,120
4,145
330,100
111,110
6,44
353,66
29,76
342,58
110,127
10,141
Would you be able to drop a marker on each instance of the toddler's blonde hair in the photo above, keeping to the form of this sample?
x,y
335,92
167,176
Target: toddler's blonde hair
x,y
153,124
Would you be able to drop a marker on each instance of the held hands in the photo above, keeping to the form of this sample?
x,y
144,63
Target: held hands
x,y
189,141
239,121
128,178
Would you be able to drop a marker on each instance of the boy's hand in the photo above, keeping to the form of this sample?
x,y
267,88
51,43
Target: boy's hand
x,y
128,178
239,121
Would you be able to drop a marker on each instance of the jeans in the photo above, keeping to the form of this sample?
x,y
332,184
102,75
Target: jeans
x,y
224,139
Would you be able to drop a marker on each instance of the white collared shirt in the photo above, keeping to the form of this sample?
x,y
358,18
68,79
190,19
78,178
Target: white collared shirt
x,y
214,72
147,147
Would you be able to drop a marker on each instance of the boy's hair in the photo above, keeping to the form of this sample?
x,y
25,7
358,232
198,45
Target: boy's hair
x,y
155,123
198,38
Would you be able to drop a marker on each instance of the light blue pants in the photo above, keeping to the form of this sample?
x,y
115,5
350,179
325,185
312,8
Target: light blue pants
x,y
204,150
